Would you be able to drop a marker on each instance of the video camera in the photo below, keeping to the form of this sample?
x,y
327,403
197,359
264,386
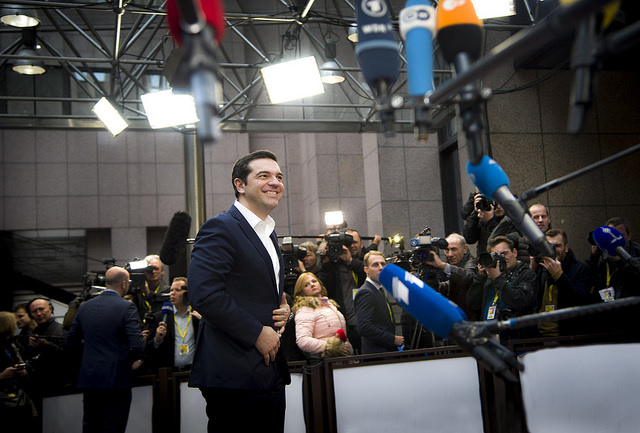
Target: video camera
x,y
491,260
423,245
290,255
335,241
137,269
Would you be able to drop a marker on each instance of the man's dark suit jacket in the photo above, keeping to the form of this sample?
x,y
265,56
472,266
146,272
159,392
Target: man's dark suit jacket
x,y
233,286
112,338
375,326
163,355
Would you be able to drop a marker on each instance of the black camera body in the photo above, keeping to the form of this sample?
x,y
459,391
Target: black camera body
x,y
484,204
424,244
291,254
335,241
491,260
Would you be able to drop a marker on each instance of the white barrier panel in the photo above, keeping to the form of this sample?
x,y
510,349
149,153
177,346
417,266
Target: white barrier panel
x,y
64,413
193,417
440,395
589,389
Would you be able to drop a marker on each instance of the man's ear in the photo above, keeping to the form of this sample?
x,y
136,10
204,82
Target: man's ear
x,y
239,184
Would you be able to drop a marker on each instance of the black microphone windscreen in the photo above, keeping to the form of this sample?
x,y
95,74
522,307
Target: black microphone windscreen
x,y
460,38
175,239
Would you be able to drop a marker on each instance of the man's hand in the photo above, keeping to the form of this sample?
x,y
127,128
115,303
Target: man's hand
x,y
553,266
398,340
376,239
436,262
268,343
493,273
281,316
37,342
161,332
345,256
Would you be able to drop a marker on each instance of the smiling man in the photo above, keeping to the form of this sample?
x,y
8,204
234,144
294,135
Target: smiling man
x,y
236,283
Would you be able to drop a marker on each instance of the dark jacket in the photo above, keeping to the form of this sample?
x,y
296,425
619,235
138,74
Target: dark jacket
x,y
573,288
461,278
107,329
516,293
478,231
233,286
375,323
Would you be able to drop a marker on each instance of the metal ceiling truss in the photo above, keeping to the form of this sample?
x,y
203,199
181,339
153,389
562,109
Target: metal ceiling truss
x,y
119,50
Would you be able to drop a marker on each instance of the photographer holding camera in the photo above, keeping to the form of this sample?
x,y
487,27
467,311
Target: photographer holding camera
x,y
561,282
481,216
504,286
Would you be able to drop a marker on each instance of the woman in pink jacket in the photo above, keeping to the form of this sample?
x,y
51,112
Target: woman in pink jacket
x,y
320,327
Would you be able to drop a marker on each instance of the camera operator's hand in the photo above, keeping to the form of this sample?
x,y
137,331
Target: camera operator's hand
x,y
553,266
161,332
533,263
493,273
483,215
435,261
300,268
345,256
145,334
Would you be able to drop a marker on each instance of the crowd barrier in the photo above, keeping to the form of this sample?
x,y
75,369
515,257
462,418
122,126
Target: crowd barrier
x,y
567,385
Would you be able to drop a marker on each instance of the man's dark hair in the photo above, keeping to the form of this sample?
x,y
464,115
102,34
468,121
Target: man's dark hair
x,y
241,168
552,233
616,221
498,240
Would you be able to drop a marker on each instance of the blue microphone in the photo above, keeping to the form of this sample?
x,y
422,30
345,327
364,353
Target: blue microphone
x,y
613,242
492,181
166,310
379,55
427,306
445,318
417,27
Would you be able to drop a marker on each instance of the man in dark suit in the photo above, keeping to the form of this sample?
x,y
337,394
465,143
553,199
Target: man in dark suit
x,y
172,342
376,325
113,346
236,283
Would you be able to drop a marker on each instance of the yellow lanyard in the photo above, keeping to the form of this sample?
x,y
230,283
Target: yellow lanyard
x,y
549,288
185,328
609,275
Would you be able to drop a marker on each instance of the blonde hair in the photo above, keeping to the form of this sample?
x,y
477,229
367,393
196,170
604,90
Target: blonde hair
x,y
7,324
302,280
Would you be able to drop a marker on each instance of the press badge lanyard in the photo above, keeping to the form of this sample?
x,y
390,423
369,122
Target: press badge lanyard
x,y
183,347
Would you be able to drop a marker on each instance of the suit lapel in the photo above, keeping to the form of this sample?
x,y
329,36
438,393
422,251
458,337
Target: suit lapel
x,y
251,235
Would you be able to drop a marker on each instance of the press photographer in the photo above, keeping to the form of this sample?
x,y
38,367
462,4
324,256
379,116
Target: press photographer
x,y
504,286
561,282
481,216
421,261
456,274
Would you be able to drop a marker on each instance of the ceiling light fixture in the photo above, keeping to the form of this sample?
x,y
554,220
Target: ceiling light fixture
x,y
330,72
165,109
291,80
109,116
494,8
352,33
19,16
28,63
